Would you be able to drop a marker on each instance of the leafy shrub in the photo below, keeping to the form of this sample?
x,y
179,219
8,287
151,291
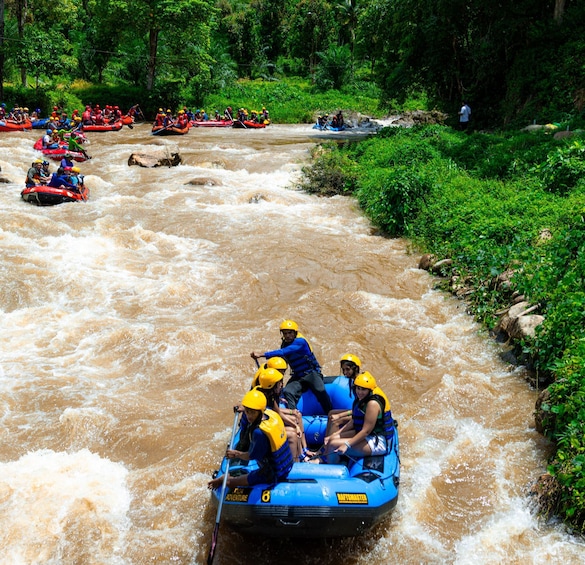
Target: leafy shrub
x,y
332,172
564,168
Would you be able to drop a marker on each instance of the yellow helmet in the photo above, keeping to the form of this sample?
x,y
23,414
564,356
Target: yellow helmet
x,y
365,380
289,325
276,363
76,170
269,377
255,381
255,400
350,358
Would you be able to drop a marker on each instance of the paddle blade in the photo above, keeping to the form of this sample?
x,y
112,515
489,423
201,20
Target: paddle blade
x,y
213,544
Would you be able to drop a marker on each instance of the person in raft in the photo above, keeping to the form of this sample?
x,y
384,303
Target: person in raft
x,y
304,367
371,428
271,385
268,446
350,366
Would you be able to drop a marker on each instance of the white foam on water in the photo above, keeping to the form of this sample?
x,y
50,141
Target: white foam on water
x,y
45,493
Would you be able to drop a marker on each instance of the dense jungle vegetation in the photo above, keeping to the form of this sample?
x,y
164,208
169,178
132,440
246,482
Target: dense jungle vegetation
x,y
514,62
482,199
501,203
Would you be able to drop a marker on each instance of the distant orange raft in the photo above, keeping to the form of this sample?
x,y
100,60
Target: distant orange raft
x,y
9,125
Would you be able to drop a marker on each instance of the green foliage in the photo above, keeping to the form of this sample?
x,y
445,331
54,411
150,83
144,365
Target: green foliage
x,y
486,202
332,172
334,67
563,168
290,100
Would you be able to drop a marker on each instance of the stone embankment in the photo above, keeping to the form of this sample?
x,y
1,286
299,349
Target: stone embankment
x,y
518,320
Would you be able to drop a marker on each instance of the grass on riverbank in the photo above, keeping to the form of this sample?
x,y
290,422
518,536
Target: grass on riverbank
x,y
290,100
294,101
499,203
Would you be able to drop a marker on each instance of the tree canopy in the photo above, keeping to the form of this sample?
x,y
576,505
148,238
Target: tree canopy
x,y
510,60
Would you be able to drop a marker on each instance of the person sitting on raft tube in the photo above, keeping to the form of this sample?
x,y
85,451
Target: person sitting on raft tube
x,y
182,120
271,385
48,140
304,367
33,176
268,446
350,366
371,427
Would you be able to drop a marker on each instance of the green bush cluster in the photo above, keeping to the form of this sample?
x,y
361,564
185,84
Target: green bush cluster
x,y
503,202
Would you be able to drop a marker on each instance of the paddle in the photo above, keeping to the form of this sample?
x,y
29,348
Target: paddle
x,y
222,494
163,129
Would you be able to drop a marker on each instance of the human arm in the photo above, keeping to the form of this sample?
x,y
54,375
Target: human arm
x,y
373,410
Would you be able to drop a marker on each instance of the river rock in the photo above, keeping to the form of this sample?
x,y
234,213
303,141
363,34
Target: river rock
x,y
158,157
426,261
204,181
525,326
518,323
438,267
563,134
533,127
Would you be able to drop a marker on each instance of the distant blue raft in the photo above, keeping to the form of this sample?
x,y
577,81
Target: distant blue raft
x,y
324,500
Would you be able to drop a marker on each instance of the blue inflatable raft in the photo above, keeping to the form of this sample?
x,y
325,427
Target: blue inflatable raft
x,y
317,501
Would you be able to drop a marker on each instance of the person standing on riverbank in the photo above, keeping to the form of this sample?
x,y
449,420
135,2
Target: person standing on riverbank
x,y
464,116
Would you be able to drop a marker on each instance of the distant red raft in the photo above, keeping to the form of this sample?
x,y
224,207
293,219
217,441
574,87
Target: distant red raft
x,y
116,126
212,123
248,124
125,120
58,153
169,130
9,125
42,195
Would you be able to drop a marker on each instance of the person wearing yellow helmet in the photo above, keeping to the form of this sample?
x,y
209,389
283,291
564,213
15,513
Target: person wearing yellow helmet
x,y
371,428
304,367
350,366
33,175
267,444
182,120
159,119
270,382
264,116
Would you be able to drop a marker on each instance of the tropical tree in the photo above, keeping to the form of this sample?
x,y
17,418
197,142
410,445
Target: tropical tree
x,y
185,24
2,58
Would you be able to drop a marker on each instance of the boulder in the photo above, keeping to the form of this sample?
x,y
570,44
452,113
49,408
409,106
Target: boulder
x,y
533,127
426,261
563,134
441,266
204,181
525,326
157,157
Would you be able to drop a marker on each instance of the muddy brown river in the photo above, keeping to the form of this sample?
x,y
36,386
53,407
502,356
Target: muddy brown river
x,y
127,324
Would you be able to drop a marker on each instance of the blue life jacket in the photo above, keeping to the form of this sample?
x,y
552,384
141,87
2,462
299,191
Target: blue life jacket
x,y
384,423
299,356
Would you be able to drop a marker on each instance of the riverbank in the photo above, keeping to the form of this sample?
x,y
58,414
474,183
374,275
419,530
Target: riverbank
x,y
503,216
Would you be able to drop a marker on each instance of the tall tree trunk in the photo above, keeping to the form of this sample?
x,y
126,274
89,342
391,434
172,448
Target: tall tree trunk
x,y
1,50
153,45
559,10
21,7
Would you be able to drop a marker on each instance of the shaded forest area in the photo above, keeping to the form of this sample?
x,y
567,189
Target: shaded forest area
x,y
514,62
